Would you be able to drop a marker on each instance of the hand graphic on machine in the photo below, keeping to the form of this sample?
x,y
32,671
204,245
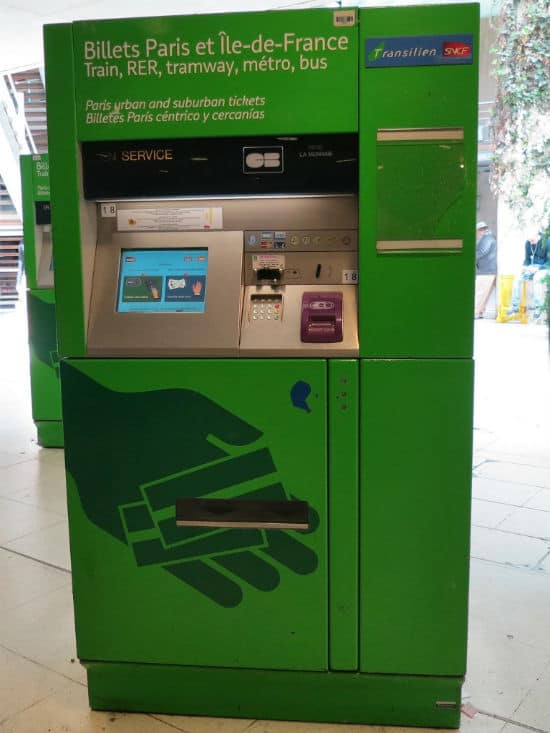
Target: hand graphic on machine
x,y
173,444
213,560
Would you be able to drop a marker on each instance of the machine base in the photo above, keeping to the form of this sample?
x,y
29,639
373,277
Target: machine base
x,y
50,433
249,693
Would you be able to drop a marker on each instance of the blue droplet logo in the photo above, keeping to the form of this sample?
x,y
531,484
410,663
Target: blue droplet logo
x,y
299,394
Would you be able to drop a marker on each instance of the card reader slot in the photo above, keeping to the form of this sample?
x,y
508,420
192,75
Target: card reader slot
x,y
242,513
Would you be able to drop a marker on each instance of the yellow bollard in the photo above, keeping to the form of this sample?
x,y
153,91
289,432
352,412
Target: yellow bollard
x,y
505,284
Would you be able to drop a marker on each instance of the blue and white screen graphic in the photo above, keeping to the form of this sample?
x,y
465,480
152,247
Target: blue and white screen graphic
x,y
162,281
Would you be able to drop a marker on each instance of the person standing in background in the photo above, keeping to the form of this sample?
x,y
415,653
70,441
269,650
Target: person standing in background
x,y
535,264
486,250
486,267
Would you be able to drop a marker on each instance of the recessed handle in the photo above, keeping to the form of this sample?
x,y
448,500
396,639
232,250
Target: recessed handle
x,y
451,134
242,513
389,246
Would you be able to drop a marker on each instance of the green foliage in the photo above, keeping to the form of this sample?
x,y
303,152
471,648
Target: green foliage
x,y
521,115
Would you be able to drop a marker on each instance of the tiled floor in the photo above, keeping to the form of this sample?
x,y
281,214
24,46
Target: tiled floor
x,y
42,686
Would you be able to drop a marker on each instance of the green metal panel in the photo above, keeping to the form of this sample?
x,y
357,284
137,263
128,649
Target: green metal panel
x,y
418,304
50,433
64,181
416,433
253,693
44,360
213,75
31,265
45,389
343,411
430,173
141,433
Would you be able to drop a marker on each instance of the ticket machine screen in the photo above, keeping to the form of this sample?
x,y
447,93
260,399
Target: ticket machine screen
x,y
162,280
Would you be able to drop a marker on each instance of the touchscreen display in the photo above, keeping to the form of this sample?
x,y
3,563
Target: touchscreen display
x,y
162,280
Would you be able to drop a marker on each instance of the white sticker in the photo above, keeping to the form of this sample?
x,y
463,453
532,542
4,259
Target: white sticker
x,y
344,18
108,211
350,277
271,262
169,219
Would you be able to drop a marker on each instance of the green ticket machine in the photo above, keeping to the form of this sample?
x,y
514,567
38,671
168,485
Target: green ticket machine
x,y
44,360
264,269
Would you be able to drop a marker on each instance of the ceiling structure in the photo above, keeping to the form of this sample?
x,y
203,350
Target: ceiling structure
x,y
21,21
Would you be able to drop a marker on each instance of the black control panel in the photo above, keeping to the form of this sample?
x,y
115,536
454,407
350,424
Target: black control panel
x,y
290,164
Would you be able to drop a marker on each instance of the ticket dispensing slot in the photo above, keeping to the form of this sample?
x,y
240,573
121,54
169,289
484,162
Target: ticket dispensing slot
x,y
242,513
321,318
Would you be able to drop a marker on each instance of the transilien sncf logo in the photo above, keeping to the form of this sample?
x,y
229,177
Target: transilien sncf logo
x,y
433,50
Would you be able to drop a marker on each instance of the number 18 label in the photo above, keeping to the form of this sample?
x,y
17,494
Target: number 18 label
x,y
350,277
108,211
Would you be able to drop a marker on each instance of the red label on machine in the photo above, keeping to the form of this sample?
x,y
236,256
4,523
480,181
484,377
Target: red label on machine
x,y
456,49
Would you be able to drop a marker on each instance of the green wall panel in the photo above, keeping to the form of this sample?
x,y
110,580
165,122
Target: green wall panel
x,y
416,433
